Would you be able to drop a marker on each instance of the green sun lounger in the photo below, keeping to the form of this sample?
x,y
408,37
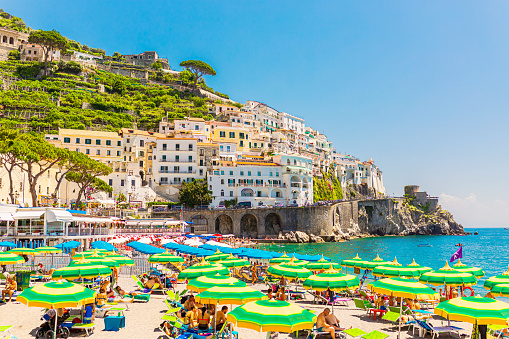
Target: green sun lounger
x,y
88,328
354,332
375,335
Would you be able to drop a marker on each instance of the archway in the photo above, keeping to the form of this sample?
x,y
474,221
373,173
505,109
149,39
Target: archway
x,y
224,224
200,224
273,224
249,226
246,192
4,39
11,40
276,193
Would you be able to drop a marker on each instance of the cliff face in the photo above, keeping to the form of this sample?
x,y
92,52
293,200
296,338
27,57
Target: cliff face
x,y
407,220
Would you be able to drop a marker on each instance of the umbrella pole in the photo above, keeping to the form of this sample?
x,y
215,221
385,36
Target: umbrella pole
x,y
400,313
56,321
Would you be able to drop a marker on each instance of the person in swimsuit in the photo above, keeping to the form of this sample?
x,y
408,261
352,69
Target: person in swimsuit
x,y
203,319
322,325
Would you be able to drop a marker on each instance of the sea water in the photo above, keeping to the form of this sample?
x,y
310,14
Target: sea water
x,y
488,250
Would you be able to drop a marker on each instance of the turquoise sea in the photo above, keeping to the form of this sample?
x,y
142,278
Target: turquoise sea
x,y
488,250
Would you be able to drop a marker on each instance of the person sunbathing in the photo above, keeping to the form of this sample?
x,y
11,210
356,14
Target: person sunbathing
x,y
323,326
333,321
203,318
189,303
10,288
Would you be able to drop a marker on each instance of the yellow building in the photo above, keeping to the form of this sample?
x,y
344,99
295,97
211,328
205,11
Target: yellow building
x,y
237,135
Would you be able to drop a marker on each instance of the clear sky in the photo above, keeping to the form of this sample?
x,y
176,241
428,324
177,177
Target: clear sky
x,y
419,86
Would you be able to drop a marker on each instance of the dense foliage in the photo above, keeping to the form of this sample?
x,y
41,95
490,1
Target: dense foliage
x,y
13,22
195,193
328,187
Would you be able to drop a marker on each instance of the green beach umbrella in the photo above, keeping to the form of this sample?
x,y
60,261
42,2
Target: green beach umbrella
x,y
392,271
7,258
81,272
500,290
90,261
475,310
217,256
272,316
48,250
23,250
91,253
403,288
123,261
369,265
282,259
292,261
202,269
289,271
499,279
322,264
203,283
230,294
165,258
61,294
353,263
461,267
231,261
448,276
333,280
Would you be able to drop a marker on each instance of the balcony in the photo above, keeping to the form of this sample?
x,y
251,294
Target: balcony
x,y
178,150
179,172
177,160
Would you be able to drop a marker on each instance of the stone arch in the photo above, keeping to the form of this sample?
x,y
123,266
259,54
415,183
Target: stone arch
x,y
276,193
4,39
224,224
11,40
200,224
273,224
262,192
246,192
249,226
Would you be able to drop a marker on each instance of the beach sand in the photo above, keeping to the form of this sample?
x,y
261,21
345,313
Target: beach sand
x,y
143,319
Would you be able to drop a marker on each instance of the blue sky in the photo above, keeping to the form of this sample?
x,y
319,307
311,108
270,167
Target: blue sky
x,y
419,86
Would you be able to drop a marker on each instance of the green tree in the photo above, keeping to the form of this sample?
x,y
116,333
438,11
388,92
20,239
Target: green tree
x,y
49,41
195,193
199,69
14,55
87,177
121,198
85,48
8,159
157,65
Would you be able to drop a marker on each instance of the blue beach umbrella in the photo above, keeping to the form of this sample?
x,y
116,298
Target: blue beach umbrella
x,y
8,244
103,245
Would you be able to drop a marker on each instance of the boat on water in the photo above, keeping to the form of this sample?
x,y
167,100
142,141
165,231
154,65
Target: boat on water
x,y
424,245
460,245
505,228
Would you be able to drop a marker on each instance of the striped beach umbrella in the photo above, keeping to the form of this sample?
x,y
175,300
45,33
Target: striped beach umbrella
x,y
448,276
91,253
230,294
461,267
217,256
7,258
48,250
23,250
322,264
369,265
498,279
475,310
333,280
203,283
81,272
289,271
500,290
272,316
120,259
57,295
392,271
202,269
94,261
282,259
403,288
231,261
165,258
353,263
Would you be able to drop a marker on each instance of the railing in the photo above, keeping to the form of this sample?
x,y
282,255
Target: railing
x,y
165,231
295,185
184,172
177,160
177,150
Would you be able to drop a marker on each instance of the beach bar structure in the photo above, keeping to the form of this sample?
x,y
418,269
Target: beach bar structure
x,y
52,225
167,226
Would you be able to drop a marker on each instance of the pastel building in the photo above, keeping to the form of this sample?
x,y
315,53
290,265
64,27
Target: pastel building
x,y
237,135
297,174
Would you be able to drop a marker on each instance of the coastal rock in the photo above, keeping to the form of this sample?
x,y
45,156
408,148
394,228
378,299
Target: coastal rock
x,y
315,238
301,237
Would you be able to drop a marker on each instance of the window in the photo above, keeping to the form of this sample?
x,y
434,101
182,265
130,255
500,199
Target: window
x,y
98,141
122,182
118,153
227,148
294,162
222,172
190,147
142,143
110,182
202,151
87,151
88,141
196,127
242,143
231,172
108,152
288,161
77,150
248,173
222,134
164,181
201,172
164,147
222,181
259,173
130,158
190,158
190,169
241,135
241,173
67,140
277,174
222,193
231,193
128,140
221,148
232,135
177,158
108,142
133,183
119,143
270,173
177,147
142,153
201,162
98,152
141,163
77,140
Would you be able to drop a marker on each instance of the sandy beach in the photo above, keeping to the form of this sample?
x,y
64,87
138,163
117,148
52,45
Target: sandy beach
x,y
143,319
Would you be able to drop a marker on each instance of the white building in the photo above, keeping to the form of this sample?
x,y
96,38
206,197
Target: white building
x,y
290,122
297,178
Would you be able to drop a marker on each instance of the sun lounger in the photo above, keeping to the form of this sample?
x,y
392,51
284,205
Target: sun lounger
x,y
88,328
375,335
354,333
6,329
498,331
359,303
425,327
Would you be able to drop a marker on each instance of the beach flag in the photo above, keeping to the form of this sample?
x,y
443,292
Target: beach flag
x,y
457,255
